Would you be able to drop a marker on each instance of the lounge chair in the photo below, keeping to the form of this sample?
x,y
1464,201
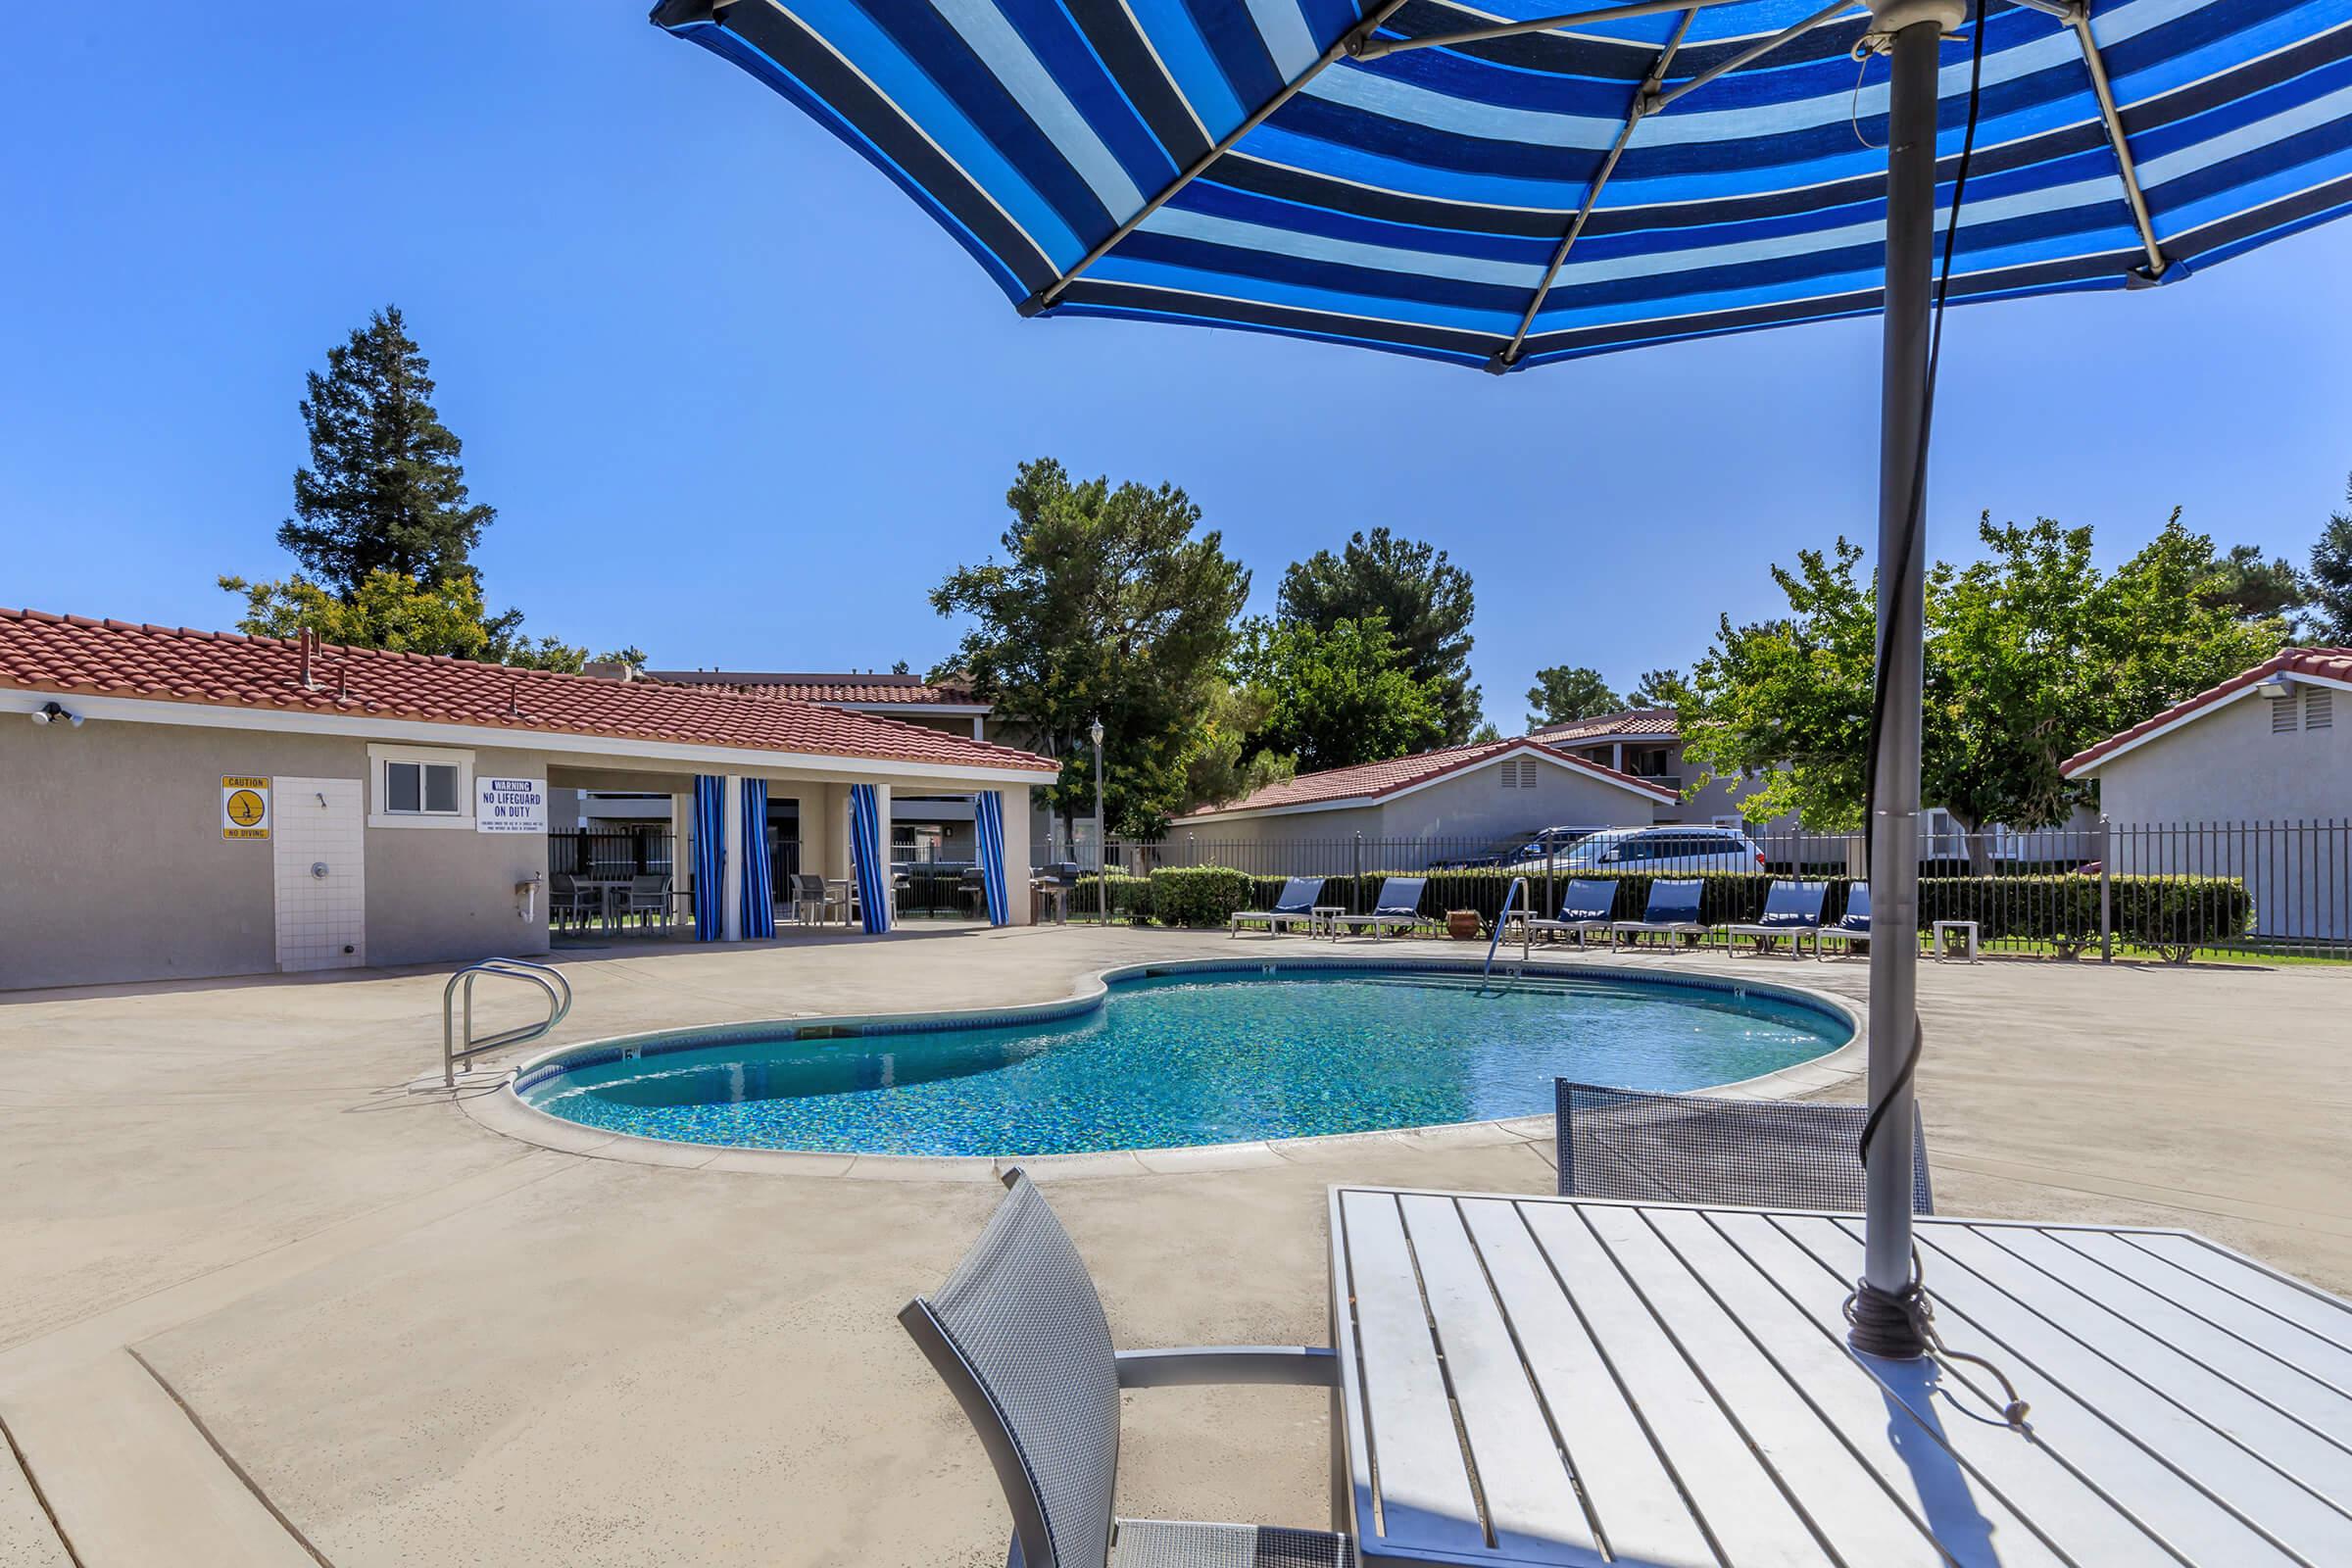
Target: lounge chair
x,y
1791,910
1398,905
1018,1334
1296,906
1704,1148
1851,927
1584,910
1673,912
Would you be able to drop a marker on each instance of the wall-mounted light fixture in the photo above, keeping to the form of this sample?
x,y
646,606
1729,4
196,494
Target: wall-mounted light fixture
x,y
2274,687
50,713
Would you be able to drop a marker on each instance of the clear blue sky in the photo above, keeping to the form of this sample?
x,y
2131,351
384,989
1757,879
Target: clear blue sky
x,y
739,403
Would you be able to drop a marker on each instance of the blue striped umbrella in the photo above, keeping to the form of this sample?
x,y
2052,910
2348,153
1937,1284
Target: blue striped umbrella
x,y
1665,170
1526,182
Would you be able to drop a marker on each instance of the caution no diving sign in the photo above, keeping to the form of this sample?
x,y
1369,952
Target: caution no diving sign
x,y
244,808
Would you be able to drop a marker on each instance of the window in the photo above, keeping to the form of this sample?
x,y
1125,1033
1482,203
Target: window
x,y
2318,707
416,787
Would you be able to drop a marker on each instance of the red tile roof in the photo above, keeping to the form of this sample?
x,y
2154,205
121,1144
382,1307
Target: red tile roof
x,y
851,688
1659,721
1374,780
2329,664
71,654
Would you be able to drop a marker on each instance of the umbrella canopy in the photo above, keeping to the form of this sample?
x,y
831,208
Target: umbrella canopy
x,y
1502,186
1646,173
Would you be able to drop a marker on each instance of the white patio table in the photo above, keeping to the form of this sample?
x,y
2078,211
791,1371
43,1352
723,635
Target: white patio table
x,y
1557,1381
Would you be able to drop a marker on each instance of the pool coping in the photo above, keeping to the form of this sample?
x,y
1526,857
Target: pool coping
x,y
495,1103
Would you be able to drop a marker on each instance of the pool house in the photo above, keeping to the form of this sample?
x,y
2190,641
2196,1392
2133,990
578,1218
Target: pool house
x,y
187,804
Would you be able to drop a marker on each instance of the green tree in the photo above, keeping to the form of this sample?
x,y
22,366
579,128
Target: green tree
x,y
1565,693
2032,655
2330,581
1339,697
392,609
1425,599
1659,688
1223,763
1109,604
382,520
384,490
2253,588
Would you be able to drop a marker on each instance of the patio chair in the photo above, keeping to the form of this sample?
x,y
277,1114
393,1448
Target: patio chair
x,y
1584,910
569,904
1398,905
1851,927
1294,908
1790,910
813,899
1704,1148
1673,912
648,897
1018,1334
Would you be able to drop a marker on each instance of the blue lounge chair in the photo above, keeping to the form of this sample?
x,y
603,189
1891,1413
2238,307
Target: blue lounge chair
x,y
1584,910
1398,905
1851,927
1706,1149
1673,912
1018,1334
1296,906
1791,910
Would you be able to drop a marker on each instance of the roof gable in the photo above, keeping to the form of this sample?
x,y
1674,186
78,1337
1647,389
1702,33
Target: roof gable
x,y
1369,782
2328,666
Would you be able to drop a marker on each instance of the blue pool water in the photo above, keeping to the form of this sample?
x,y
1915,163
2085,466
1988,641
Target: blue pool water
x,y
1206,1058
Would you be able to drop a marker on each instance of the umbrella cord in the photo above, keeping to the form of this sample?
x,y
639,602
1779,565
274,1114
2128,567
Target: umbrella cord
x,y
1884,1322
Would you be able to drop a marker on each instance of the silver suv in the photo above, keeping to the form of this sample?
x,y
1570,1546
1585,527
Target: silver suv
x,y
1670,849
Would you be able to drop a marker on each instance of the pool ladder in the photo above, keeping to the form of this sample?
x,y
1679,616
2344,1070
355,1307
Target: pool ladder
x,y
1510,896
458,993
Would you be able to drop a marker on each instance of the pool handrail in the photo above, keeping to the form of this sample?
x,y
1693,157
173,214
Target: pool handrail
x,y
547,977
1501,921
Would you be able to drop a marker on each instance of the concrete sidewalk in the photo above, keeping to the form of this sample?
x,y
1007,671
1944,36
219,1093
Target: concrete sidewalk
x,y
425,1342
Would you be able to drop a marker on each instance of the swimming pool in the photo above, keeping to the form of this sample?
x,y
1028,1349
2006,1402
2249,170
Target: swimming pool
x,y
1174,1055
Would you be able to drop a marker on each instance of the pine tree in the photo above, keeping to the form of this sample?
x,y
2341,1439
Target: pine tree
x,y
384,490
2330,581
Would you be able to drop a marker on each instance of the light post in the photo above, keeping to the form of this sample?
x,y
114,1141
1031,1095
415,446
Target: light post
x,y
1101,845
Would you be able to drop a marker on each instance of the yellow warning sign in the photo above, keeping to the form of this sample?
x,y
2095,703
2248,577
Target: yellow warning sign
x,y
244,808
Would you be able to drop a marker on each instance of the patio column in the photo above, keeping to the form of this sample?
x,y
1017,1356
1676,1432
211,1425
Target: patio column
x,y
681,833
1015,801
730,881
827,851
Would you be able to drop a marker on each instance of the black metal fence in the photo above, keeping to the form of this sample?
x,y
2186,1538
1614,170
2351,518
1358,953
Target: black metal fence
x,y
2114,890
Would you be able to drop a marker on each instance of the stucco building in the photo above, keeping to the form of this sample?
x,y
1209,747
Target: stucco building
x,y
193,804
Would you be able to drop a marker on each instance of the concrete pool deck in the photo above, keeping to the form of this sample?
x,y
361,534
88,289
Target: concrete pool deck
x,y
423,1342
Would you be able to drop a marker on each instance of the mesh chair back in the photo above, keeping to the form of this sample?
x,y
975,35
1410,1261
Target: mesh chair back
x,y
1700,1149
1672,902
1794,903
1298,894
808,887
1401,895
1018,1336
1588,901
648,887
1857,909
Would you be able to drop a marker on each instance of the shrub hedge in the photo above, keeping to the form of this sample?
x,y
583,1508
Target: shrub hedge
x,y
2171,916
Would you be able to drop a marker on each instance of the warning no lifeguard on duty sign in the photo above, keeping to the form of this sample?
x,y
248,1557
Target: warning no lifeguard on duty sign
x,y
510,805
244,808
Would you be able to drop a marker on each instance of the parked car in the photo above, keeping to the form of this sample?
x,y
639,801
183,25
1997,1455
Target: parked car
x,y
1672,849
1519,849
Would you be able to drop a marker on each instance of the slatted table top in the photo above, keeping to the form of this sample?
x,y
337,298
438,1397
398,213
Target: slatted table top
x,y
1558,1380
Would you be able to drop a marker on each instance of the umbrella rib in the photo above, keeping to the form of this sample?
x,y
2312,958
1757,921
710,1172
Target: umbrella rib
x,y
1370,48
1647,102
2077,14
1044,298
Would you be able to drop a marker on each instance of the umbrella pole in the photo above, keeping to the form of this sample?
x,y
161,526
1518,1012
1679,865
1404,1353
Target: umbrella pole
x,y
1918,29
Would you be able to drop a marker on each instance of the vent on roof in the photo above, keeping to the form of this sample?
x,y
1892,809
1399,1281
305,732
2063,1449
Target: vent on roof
x,y
2318,707
1518,773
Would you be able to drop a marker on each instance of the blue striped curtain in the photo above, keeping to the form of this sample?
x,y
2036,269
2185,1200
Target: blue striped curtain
x,y
988,819
759,895
865,849
709,854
